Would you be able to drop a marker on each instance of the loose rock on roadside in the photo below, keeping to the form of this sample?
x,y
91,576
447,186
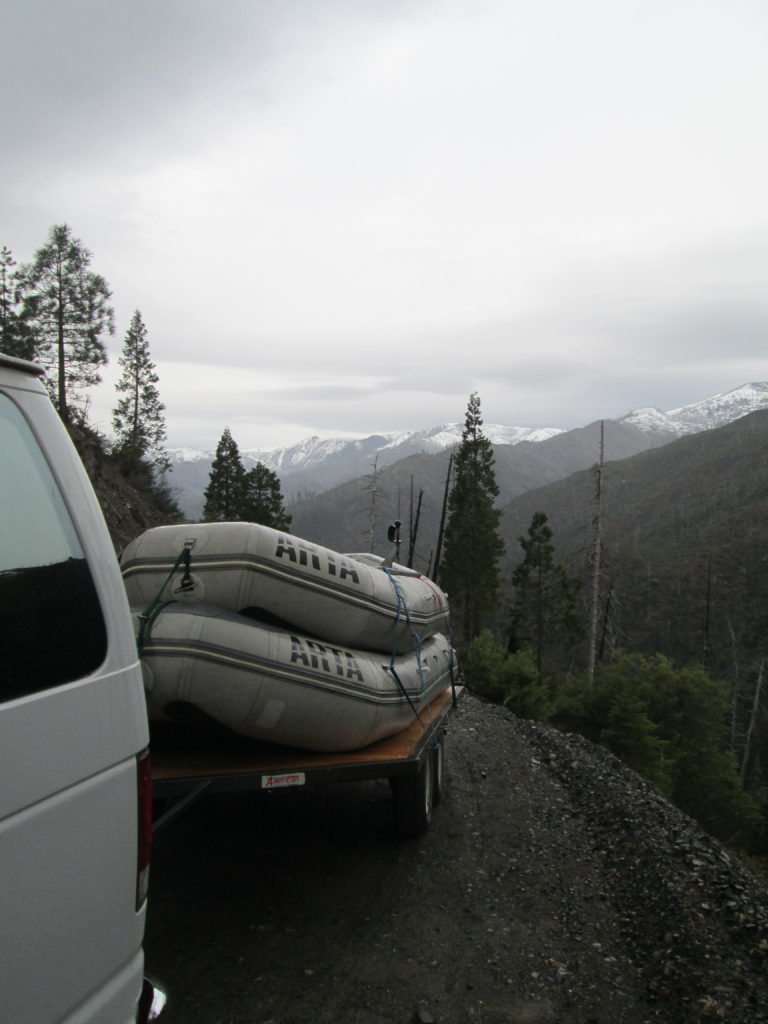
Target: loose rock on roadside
x,y
554,886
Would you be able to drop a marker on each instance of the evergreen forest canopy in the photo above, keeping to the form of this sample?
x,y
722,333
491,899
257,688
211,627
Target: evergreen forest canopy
x,y
55,310
681,598
236,495
664,551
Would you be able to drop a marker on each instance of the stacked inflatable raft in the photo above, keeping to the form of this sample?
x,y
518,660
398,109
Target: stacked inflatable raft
x,y
282,640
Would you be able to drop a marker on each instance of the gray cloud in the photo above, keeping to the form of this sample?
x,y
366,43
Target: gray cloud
x,y
345,217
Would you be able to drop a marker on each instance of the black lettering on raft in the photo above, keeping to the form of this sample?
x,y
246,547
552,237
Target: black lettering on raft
x,y
348,570
302,553
332,660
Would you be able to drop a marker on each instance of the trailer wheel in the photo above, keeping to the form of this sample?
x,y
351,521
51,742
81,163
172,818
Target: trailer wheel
x,y
438,756
413,796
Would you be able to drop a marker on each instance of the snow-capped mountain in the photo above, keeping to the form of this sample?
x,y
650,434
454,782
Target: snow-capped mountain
x,y
436,439
315,465
313,451
705,415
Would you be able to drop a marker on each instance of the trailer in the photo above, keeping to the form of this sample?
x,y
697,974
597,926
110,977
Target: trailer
x,y
186,766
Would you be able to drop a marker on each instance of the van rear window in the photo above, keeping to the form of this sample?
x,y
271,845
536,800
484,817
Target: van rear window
x,y
51,626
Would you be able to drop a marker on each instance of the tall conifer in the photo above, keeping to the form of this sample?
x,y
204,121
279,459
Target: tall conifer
x,y
138,416
65,307
225,492
15,338
544,612
469,569
263,499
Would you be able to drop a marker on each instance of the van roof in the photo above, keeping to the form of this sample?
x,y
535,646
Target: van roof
x,y
23,365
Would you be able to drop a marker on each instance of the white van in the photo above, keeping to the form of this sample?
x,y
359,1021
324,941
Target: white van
x,y
75,786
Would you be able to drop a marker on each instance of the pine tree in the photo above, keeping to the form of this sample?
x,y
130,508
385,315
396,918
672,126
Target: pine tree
x,y
225,493
544,612
65,307
15,339
263,499
469,568
138,418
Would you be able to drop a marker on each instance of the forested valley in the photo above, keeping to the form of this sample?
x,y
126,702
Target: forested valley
x,y
678,688
626,602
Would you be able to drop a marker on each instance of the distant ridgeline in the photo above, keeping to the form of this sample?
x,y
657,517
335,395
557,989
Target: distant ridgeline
x,y
685,541
314,466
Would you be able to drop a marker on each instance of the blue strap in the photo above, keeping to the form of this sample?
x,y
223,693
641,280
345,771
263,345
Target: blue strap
x,y
416,644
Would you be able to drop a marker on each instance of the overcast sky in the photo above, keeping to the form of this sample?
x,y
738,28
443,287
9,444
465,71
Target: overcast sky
x,y
343,216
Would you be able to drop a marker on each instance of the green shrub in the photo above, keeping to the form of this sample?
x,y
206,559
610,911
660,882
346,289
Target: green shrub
x,y
509,679
633,737
670,725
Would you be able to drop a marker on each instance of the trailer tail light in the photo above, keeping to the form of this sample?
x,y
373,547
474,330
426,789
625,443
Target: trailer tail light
x,y
144,781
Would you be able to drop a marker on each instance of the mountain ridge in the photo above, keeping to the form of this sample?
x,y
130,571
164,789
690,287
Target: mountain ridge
x,y
315,465
683,543
432,438
707,414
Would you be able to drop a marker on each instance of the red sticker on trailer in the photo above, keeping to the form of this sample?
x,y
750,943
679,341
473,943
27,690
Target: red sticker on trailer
x,y
279,781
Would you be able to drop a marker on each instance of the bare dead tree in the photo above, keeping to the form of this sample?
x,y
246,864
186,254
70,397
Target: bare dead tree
x,y
752,722
736,687
414,531
441,530
374,490
606,620
707,613
597,543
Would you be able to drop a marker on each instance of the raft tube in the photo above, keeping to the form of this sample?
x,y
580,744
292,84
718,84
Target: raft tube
x,y
269,684
359,602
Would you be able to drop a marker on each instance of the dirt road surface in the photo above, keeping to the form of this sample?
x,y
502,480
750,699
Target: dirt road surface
x,y
553,886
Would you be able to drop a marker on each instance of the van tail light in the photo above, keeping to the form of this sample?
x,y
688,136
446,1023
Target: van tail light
x,y
144,780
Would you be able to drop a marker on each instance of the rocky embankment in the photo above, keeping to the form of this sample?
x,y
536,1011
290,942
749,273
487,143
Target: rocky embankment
x,y
554,886
694,919
126,511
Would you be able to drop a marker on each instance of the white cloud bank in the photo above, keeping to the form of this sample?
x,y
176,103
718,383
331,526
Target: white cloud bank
x,y
343,217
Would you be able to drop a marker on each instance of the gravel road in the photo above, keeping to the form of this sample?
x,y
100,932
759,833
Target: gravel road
x,y
554,885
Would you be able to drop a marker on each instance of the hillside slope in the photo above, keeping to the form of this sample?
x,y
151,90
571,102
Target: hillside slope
x,y
685,541
340,518
126,511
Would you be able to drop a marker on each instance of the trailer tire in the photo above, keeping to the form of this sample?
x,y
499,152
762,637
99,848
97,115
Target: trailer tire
x,y
413,796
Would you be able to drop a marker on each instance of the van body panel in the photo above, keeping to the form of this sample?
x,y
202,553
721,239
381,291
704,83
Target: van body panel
x,y
70,931
71,889
89,726
108,1004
